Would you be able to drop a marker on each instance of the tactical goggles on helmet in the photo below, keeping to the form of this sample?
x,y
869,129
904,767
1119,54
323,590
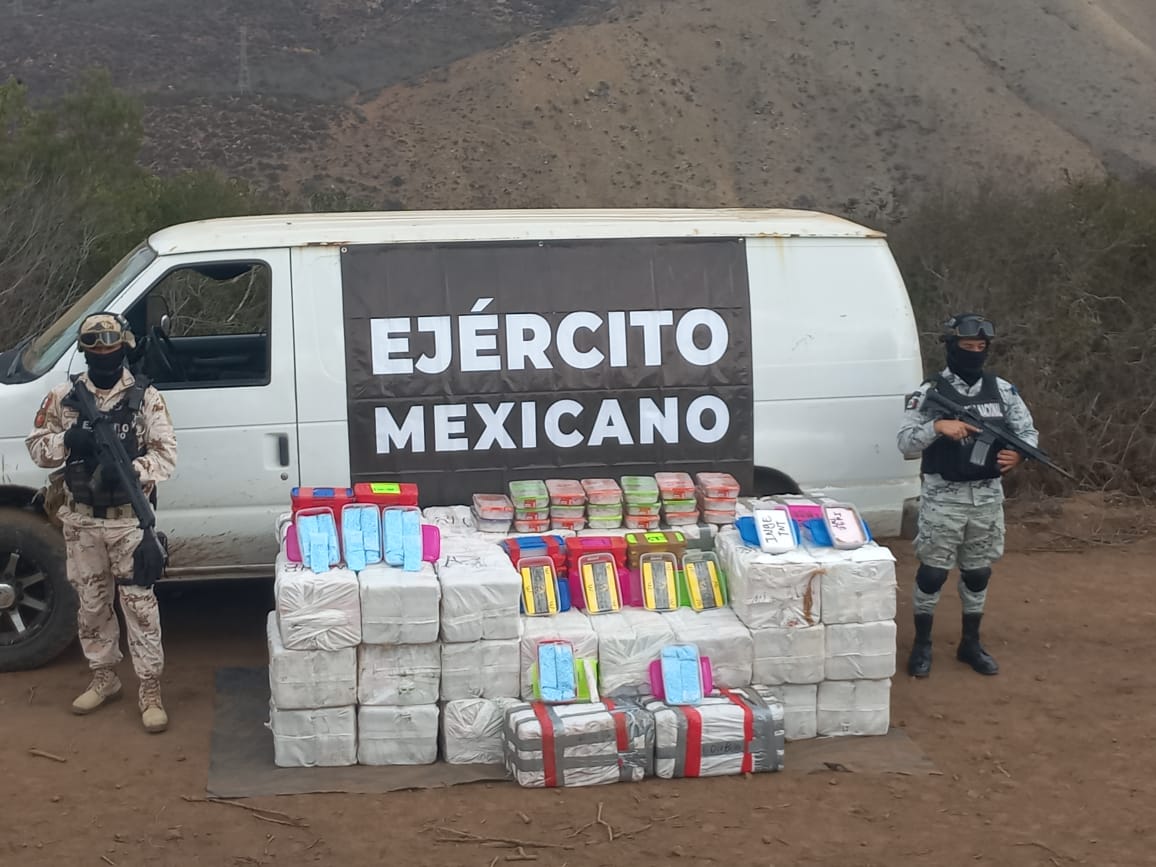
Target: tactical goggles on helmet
x,y
974,327
101,339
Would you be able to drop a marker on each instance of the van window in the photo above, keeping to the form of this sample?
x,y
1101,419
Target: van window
x,y
207,326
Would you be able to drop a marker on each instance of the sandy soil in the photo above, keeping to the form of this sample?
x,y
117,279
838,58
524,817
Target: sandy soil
x,y
1046,764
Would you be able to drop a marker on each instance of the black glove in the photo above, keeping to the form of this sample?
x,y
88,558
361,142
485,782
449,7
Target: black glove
x,y
149,560
80,442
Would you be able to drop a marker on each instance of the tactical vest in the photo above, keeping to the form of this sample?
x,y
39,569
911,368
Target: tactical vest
x,y
951,459
85,481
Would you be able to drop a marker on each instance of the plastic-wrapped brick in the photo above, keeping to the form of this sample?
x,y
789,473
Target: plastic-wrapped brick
x,y
309,678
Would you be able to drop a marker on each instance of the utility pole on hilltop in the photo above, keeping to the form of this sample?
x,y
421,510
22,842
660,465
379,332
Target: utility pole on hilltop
x,y
244,78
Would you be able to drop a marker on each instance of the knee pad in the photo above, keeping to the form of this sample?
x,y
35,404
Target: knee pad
x,y
976,580
930,580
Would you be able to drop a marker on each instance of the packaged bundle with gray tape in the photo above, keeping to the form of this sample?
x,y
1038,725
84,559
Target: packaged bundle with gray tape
x,y
578,744
740,731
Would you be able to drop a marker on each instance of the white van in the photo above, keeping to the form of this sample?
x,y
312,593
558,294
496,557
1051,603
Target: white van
x,y
461,350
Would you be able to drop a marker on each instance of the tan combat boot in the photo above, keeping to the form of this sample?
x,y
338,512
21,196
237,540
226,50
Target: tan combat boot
x,y
152,712
105,687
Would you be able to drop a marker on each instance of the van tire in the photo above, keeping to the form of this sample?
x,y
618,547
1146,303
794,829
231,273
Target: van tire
x,y
770,482
30,546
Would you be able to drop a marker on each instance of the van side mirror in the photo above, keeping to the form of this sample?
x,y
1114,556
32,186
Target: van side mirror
x,y
156,312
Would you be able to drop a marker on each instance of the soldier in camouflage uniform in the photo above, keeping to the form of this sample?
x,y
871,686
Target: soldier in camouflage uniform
x,y
961,519
101,532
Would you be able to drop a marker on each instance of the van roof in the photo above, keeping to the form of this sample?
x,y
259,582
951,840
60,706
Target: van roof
x,y
381,227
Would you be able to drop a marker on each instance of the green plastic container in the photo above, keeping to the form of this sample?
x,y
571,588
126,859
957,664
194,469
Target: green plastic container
x,y
640,490
530,495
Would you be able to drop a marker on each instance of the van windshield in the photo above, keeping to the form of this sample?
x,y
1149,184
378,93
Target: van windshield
x,y
46,349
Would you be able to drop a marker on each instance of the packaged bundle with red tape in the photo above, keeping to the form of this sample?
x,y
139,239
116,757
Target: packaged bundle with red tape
x,y
386,493
552,746
740,731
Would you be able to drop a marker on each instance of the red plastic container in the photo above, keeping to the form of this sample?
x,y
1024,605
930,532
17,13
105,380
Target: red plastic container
x,y
386,493
580,546
568,523
553,547
532,525
640,522
718,485
675,486
602,491
320,498
566,492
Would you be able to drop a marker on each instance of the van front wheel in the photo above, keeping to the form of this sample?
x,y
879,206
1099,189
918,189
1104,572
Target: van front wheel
x,y
37,604
770,482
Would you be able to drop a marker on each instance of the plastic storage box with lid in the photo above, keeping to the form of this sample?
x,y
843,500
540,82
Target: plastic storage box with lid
x,y
640,491
565,492
602,491
529,494
595,583
722,486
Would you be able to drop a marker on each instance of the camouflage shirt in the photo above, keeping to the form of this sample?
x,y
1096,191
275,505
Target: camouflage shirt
x,y
154,432
918,432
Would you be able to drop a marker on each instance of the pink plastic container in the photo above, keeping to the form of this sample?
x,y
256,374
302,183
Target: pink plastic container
x,y
292,546
675,486
721,485
602,491
431,543
656,677
565,492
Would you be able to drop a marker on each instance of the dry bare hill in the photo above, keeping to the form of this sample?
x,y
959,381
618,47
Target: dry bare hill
x,y
747,102
844,104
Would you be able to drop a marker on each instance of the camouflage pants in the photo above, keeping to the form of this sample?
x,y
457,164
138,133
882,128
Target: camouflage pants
x,y
958,534
97,556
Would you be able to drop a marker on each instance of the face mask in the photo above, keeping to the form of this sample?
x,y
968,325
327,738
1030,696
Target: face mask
x,y
965,364
105,370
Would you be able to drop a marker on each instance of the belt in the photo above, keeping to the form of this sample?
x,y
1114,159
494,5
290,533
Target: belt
x,y
107,513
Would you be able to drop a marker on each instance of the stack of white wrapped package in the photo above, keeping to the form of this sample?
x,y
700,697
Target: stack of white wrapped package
x,y
822,624
312,640
480,647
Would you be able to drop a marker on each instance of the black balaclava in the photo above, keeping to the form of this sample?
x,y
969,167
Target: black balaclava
x,y
105,370
965,364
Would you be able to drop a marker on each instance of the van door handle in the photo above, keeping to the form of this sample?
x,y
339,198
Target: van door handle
x,y
283,449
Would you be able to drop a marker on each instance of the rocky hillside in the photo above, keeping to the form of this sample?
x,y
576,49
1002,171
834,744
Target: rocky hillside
x,y
843,104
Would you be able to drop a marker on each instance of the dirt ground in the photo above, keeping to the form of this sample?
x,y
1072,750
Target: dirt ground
x,y
1050,763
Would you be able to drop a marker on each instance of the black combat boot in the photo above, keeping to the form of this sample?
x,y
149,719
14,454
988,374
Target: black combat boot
x,y
971,651
919,663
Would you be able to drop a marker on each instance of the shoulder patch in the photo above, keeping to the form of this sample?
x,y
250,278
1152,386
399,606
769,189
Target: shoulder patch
x,y
42,413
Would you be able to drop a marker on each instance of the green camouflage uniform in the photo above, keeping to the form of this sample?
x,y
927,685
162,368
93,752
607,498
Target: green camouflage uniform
x,y
960,523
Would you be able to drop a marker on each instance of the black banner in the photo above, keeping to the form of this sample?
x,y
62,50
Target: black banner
x,y
471,365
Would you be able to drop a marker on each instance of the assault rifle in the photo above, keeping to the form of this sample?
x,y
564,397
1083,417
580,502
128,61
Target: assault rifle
x,y
150,556
992,435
